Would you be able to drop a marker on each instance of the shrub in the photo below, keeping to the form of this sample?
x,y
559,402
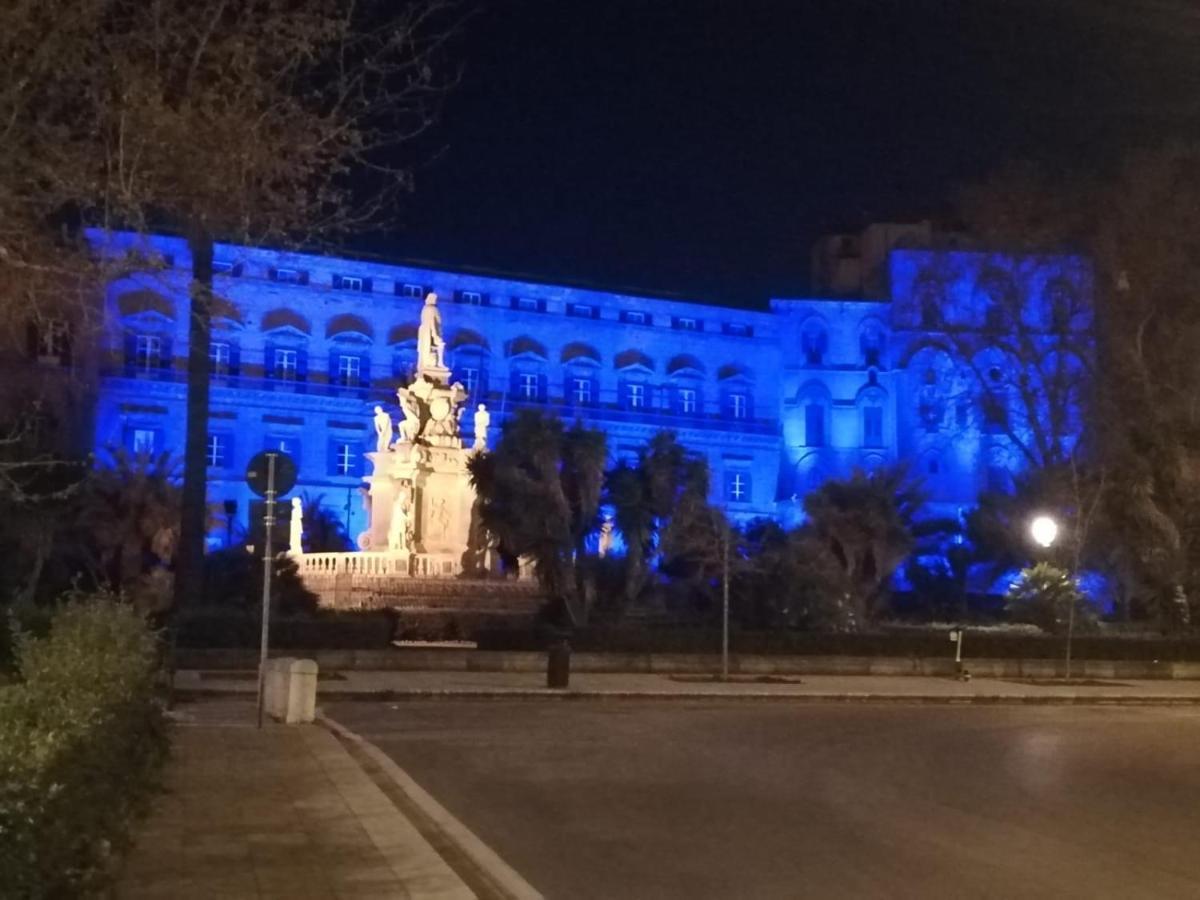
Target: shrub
x,y
81,742
1044,596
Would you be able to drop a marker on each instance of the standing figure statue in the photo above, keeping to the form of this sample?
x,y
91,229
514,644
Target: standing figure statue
x,y
398,527
411,407
383,430
606,537
483,419
431,346
296,528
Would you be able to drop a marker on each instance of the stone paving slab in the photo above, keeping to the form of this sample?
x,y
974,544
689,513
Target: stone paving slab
x,y
284,812
400,685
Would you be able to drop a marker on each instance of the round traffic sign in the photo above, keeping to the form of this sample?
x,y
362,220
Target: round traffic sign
x,y
285,472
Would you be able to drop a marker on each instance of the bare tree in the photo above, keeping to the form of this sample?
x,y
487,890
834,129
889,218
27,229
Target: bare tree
x,y
243,120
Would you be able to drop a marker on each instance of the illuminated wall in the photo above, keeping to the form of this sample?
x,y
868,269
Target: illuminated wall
x,y
776,400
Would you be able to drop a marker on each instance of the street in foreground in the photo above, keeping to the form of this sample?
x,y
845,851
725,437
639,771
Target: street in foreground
x,y
727,799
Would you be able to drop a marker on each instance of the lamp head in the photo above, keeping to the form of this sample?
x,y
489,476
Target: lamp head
x,y
1044,530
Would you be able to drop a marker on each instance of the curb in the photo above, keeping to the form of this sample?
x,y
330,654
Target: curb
x,y
534,694
501,879
914,699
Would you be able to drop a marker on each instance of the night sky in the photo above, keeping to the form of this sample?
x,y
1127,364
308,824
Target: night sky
x,y
697,147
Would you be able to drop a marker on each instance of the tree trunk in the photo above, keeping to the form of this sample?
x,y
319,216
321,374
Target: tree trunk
x,y
189,576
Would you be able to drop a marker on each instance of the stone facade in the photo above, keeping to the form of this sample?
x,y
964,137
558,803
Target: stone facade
x,y
868,371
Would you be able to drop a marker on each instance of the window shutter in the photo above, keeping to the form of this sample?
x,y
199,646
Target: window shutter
x,y
32,339
235,358
303,276
68,344
301,364
514,385
334,374
130,351
166,360
368,287
364,370
269,361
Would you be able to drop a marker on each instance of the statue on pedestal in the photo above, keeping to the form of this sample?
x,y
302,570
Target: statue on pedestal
x,y
410,405
483,419
431,346
399,527
383,430
296,528
606,537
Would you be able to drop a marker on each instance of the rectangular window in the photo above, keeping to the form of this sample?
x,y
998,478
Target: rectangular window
x,y
344,458
687,400
814,425
737,486
527,385
635,396
581,391
286,363
686,323
53,340
349,282
142,441
995,413
739,406
469,376
349,370
218,358
583,311
737,329
412,291
634,317
148,352
217,451
471,298
289,276
224,267
528,304
873,426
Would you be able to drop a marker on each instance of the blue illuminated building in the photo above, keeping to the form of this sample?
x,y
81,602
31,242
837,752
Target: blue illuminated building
x,y
891,360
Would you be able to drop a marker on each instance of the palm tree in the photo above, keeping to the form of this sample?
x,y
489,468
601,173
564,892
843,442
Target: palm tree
x,y
539,494
865,523
129,515
646,497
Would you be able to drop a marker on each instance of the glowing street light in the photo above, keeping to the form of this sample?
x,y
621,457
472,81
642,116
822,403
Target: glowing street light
x,y
1044,530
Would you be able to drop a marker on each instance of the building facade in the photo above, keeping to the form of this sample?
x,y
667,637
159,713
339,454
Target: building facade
x,y
872,372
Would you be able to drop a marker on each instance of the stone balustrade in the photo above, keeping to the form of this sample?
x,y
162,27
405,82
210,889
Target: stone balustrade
x,y
357,563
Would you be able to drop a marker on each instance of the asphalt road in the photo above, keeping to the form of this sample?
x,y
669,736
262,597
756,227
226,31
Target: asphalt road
x,y
746,800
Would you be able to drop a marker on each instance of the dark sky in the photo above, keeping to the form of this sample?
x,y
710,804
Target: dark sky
x,y
698,146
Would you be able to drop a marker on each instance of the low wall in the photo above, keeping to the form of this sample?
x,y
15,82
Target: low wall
x,y
404,659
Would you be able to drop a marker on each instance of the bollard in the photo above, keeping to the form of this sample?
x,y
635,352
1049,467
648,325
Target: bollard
x,y
558,664
301,707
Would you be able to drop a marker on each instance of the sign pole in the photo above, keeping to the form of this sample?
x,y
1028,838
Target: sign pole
x,y
269,522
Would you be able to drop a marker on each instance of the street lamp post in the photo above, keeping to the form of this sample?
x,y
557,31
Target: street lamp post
x,y
1044,531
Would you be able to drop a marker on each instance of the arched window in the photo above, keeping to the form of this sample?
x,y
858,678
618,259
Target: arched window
x,y
928,296
871,342
871,412
815,402
1060,304
814,342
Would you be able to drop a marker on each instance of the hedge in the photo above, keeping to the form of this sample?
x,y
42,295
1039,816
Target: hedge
x,y
905,642
81,741
324,630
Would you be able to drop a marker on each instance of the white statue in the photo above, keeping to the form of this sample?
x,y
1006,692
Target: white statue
x,y
410,405
398,527
482,420
383,430
431,347
296,529
606,537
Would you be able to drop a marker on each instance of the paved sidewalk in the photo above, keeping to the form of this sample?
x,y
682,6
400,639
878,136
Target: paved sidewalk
x,y
393,685
284,812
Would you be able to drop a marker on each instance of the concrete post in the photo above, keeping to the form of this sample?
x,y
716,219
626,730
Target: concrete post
x,y
301,706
